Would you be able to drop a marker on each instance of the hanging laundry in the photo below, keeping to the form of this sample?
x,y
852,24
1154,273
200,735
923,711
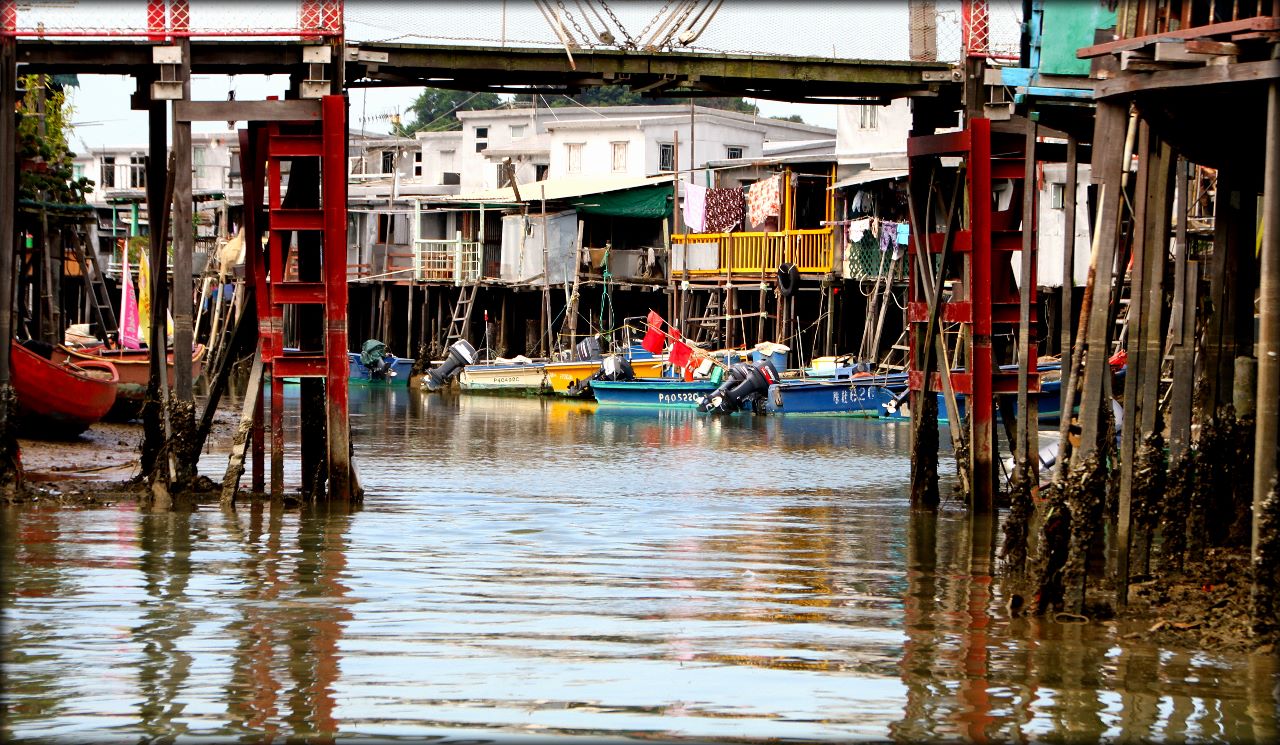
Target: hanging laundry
x,y
858,229
723,210
888,235
695,208
764,200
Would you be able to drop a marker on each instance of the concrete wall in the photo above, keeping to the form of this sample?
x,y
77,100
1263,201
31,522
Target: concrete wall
x,y
889,135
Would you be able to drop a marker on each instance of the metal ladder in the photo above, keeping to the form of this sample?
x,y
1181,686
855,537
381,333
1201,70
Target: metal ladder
x,y
267,147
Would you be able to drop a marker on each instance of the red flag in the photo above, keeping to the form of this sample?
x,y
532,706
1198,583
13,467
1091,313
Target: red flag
x,y
653,340
681,353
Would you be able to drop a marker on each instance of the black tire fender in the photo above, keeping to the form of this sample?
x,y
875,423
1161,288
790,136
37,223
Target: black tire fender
x,y
788,278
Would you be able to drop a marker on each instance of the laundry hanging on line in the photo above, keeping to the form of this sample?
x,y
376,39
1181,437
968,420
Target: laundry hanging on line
x,y
723,211
764,200
695,207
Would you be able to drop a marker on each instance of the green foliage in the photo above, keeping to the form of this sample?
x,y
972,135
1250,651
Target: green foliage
x,y
45,163
793,118
620,95
436,109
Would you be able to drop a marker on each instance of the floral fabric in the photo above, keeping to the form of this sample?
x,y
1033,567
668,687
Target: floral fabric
x,y
723,210
764,200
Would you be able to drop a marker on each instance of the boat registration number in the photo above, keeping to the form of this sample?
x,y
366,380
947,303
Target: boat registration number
x,y
678,398
850,396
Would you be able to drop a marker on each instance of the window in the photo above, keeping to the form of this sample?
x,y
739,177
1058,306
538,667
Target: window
x,y
540,171
867,117
733,152
77,171
482,139
108,172
517,131
1057,194
388,161
502,175
573,150
619,157
137,171
386,228
417,163
666,157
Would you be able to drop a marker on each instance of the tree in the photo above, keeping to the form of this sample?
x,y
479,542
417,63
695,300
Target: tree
x,y
793,118
436,109
46,172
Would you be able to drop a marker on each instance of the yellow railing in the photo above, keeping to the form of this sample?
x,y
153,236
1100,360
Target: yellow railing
x,y
812,251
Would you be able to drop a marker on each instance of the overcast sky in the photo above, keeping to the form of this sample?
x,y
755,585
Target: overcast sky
x,y
828,28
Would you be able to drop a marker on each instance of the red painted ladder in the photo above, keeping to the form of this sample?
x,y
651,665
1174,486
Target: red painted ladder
x,y
990,302
265,147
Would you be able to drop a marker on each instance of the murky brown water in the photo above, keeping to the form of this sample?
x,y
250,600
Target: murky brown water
x,y
536,570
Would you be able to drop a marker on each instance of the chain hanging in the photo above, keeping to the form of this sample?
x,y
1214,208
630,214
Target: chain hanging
x,y
586,40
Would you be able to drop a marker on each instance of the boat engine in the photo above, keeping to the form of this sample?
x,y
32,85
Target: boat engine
x,y
614,369
461,354
744,385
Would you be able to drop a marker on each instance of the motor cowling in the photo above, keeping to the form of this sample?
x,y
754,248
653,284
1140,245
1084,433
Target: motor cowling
x,y
743,384
461,354
614,369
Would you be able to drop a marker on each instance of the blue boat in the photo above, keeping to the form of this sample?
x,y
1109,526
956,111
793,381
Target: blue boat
x,y
359,374
859,397
653,393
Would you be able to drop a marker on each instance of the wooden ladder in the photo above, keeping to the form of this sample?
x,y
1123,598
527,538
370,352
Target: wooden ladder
x,y
461,321
99,298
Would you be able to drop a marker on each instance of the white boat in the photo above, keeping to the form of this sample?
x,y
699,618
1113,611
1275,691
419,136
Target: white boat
x,y
517,375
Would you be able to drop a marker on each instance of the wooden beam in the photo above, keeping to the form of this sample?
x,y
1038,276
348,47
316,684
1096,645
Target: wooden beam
x,y
297,110
1260,23
1240,72
183,239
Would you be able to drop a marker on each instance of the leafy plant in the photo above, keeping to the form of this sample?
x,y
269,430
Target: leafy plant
x,y
45,163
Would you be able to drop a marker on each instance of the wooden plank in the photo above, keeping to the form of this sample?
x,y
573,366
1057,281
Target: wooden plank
x,y
1025,457
1182,329
1240,72
297,110
240,443
184,241
1261,23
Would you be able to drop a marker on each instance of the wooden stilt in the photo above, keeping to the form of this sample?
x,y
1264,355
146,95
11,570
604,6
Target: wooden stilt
x,y
250,412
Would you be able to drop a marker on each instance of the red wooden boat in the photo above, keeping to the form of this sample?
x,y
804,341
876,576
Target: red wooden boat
x,y
60,399
134,368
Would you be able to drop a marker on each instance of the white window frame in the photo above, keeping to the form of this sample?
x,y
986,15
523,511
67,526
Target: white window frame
x,y
517,131
729,150
573,157
618,156
670,165
868,117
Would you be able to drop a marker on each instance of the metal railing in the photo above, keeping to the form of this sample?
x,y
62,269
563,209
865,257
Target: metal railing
x,y
812,251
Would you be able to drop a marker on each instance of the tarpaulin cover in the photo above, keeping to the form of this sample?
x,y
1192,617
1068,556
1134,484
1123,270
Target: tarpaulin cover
x,y
646,201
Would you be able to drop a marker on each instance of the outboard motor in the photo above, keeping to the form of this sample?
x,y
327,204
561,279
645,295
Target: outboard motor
x,y
614,369
588,349
743,386
461,354
374,356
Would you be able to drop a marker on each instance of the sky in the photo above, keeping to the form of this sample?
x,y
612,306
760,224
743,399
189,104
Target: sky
x,y
828,28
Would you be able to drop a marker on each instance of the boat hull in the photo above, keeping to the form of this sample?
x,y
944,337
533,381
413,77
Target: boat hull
x,y
134,368
829,398
657,393
563,376
511,379
360,375
60,400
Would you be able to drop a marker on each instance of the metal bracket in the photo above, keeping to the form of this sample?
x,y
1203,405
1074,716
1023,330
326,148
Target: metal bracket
x,y
941,76
168,87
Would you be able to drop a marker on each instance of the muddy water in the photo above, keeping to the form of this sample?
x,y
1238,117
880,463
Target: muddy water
x,y
536,570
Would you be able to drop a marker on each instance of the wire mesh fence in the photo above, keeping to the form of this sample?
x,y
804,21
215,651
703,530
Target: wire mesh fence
x,y
159,19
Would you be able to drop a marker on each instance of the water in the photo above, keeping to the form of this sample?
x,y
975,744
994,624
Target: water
x,y
536,570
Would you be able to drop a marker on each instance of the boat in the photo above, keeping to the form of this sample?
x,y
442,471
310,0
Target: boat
x,y
134,369
571,378
656,393
60,399
859,397
519,375
361,375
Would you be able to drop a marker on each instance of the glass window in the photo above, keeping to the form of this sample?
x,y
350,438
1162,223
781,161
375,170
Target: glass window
x,y
388,161
619,157
108,179
482,133
517,131
137,171
574,152
867,117
666,157
733,152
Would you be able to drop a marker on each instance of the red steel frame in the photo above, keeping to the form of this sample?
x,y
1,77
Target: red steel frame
x,y
171,19
988,303
266,146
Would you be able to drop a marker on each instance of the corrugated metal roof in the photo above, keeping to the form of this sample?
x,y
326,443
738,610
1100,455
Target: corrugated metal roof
x,y
865,177
553,189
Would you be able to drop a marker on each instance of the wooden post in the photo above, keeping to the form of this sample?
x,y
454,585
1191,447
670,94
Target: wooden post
x,y
1026,460
10,467
1107,170
1268,398
183,240
1182,327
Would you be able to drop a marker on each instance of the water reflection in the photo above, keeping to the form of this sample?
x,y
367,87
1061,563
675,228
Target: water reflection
x,y
532,567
